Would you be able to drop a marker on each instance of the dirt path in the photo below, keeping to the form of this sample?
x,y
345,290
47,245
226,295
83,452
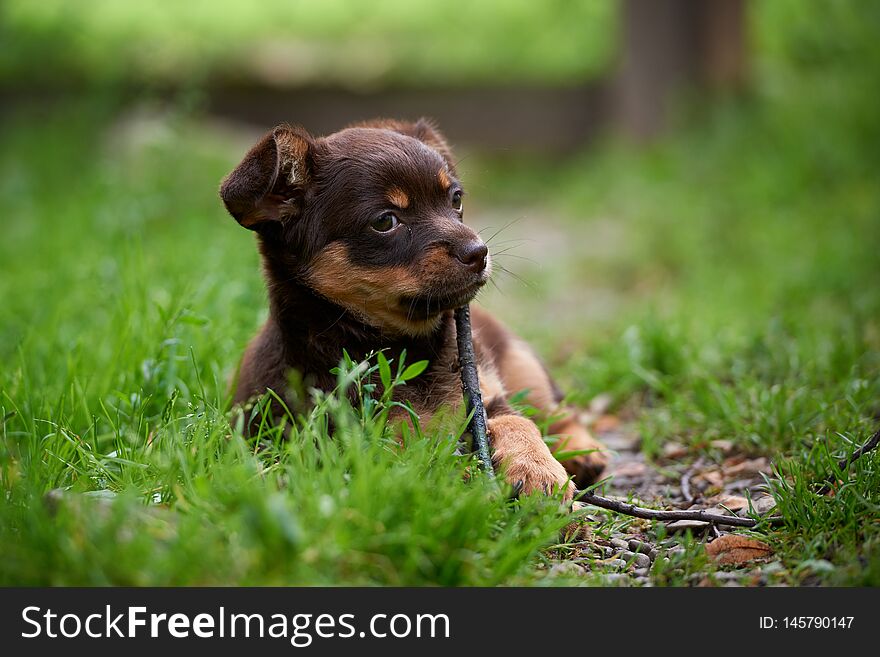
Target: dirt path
x,y
628,551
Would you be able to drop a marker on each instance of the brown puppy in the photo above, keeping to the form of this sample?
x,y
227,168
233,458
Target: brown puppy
x,y
364,248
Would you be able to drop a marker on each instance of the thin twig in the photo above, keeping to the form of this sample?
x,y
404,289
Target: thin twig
x,y
686,480
470,384
702,515
843,464
686,487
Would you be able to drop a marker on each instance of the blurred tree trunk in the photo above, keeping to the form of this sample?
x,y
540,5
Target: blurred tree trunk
x,y
674,44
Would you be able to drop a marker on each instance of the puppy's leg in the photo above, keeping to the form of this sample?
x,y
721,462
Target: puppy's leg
x,y
520,369
518,449
522,455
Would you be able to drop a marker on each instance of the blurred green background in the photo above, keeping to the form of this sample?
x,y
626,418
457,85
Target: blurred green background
x,y
279,42
683,197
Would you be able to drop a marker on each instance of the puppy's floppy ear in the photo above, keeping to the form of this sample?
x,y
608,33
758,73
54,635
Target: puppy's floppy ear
x,y
425,130
270,182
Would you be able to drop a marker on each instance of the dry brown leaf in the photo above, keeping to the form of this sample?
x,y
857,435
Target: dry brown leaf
x,y
711,477
674,450
631,469
736,467
735,549
600,404
723,445
606,423
732,502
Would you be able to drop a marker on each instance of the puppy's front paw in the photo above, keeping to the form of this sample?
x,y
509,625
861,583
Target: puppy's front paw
x,y
525,459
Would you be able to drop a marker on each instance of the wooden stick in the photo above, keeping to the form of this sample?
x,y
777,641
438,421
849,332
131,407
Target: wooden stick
x,y
844,464
715,518
470,384
652,514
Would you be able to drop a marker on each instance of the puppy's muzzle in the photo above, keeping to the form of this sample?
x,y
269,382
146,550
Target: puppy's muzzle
x,y
474,255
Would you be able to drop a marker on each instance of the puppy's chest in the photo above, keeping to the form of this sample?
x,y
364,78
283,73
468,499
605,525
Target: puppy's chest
x,y
438,386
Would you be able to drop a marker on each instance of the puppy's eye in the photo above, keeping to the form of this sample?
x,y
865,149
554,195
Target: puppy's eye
x,y
456,201
385,223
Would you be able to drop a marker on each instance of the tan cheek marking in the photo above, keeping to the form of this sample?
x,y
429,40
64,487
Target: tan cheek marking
x,y
398,197
435,265
443,177
333,274
331,271
371,294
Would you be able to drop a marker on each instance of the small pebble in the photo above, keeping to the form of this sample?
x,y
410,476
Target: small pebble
x,y
674,450
616,563
640,546
600,404
604,550
642,560
53,500
638,559
727,576
695,526
619,543
773,567
764,504
566,569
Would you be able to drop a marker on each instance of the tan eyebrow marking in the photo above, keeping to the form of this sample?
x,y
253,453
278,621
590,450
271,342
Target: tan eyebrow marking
x,y
398,197
444,179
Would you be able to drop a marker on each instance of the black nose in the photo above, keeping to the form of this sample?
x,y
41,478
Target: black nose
x,y
473,256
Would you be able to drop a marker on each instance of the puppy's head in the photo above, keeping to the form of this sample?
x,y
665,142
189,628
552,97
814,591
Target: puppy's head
x,y
369,218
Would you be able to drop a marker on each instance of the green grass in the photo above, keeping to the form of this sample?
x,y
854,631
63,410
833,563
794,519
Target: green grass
x,y
303,511
721,283
63,43
127,299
